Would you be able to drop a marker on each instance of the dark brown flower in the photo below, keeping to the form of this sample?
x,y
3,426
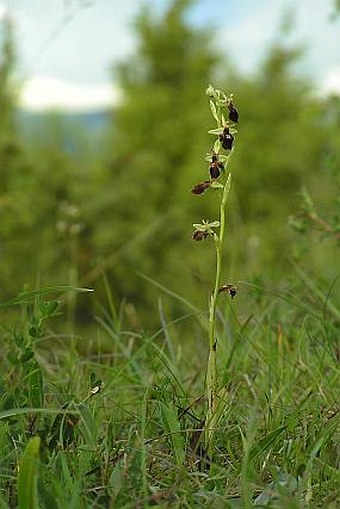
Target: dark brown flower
x,y
215,171
201,187
231,289
215,166
233,113
198,235
227,139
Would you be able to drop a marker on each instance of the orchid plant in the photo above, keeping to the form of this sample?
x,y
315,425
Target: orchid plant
x,y
226,116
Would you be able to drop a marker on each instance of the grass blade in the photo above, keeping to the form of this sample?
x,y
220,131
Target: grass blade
x,y
265,442
173,429
26,297
27,477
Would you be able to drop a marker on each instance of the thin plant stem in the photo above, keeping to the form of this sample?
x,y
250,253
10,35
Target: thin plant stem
x,y
211,378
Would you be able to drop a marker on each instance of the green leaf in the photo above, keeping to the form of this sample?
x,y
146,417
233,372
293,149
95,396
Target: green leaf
x,y
47,308
263,445
221,157
89,426
26,297
47,497
172,428
217,146
35,386
199,227
3,503
13,412
27,477
214,111
63,427
216,185
14,357
35,332
216,131
26,355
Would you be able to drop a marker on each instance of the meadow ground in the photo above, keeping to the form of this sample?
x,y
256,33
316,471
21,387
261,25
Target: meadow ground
x,y
115,418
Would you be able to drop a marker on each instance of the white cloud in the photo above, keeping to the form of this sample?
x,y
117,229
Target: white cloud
x,y
73,43
248,39
78,51
41,93
3,11
331,82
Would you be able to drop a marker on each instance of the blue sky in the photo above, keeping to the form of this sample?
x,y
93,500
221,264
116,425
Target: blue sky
x,y
67,47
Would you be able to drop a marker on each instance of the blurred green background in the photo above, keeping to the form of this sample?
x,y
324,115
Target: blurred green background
x,y
108,193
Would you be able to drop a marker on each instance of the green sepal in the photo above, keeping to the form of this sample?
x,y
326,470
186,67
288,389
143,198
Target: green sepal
x,y
217,131
217,146
216,185
214,111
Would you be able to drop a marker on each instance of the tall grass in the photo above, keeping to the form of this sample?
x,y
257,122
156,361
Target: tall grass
x,y
121,424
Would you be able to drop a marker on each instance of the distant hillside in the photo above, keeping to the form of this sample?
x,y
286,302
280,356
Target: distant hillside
x,y
74,131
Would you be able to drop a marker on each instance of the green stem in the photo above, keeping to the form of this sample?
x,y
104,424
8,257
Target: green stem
x,y
211,378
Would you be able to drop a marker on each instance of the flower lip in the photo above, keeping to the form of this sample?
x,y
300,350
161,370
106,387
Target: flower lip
x,y
227,139
198,235
231,289
216,166
215,171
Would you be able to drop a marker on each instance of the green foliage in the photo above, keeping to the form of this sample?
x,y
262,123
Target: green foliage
x,y
137,440
34,194
114,416
74,217
171,425
285,132
6,85
27,489
158,140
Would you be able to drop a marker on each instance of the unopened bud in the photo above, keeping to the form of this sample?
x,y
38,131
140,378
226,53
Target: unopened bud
x,y
233,113
210,91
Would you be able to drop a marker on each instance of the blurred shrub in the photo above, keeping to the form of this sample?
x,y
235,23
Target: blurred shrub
x,y
66,217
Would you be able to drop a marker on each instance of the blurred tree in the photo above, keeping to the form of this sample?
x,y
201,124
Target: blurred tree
x,y
35,191
61,216
281,144
14,175
159,141
158,145
337,7
8,146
